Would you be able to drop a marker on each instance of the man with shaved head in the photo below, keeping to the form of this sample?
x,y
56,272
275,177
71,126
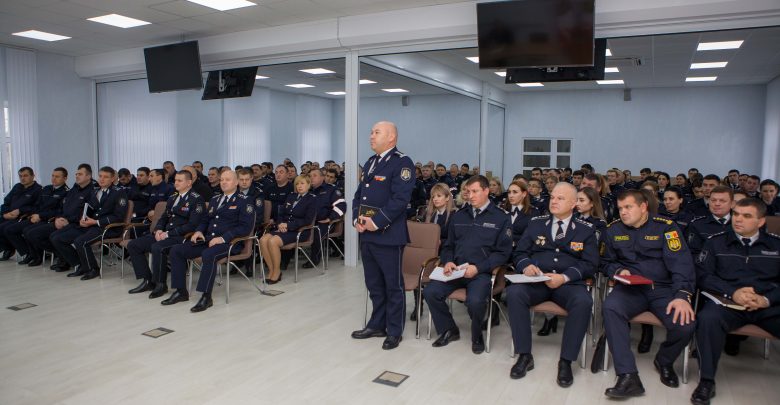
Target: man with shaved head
x,y
230,215
564,249
379,212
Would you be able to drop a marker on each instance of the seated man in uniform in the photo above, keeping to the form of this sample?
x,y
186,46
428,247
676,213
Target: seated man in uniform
x,y
229,216
652,248
183,214
720,202
19,202
564,249
480,235
700,206
724,271
159,190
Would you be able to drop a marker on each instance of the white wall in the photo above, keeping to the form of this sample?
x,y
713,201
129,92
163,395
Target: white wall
x,y
771,166
671,129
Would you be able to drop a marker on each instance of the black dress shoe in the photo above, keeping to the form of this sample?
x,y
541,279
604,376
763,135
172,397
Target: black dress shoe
x,y
366,333
525,363
549,325
34,262
89,276
565,377
27,259
447,337
269,281
477,345
180,295
391,342
628,385
78,272
668,376
703,393
160,289
203,304
6,255
146,285
647,339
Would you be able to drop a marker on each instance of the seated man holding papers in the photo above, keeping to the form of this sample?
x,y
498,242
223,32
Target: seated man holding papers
x,y
564,250
479,239
653,248
739,268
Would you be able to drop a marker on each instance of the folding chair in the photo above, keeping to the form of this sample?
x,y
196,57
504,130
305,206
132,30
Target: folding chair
x,y
773,224
335,230
108,242
756,332
298,246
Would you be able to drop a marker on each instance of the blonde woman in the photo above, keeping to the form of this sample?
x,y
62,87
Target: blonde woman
x,y
497,195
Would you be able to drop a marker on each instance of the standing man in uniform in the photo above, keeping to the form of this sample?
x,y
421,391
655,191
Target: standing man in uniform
x,y
652,248
379,209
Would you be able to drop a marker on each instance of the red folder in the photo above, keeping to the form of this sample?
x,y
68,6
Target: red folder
x,y
633,279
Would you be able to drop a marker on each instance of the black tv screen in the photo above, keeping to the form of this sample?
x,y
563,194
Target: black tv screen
x,y
535,33
230,83
173,67
563,74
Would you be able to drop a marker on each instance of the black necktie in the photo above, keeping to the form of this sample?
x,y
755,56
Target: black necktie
x,y
221,201
476,212
374,163
559,232
722,221
746,241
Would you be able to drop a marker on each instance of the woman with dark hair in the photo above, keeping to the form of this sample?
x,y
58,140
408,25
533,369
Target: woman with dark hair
x,y
518,205
674,200
664,182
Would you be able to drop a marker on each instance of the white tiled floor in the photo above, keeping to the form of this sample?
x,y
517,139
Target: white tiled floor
x,y
82,344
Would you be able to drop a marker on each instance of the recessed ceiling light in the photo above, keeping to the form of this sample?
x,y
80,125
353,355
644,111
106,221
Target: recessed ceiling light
x,y
317,71
701,79
395,90
709,65
366,81
119,21
611,70
474,59
537,84
43,36
299,85
502,73
619,81
223,5
714,46
609,53
336,93
259,77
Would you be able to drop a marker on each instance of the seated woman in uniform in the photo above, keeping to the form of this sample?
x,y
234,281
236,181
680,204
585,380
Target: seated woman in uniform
x,y
673,208
299,211
518,205
496,195
653,188
549,183
462,197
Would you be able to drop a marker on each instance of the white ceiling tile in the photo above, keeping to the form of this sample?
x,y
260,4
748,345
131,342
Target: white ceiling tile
x,y
183,8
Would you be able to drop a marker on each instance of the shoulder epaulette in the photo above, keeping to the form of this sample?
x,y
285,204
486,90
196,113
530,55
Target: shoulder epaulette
x,y
663,220
399,153
774,235
696,219
242,195
194,194
717,234
612,223
584,222
546,216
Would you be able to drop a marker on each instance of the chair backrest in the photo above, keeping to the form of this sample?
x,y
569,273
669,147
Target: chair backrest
x,y
423,245
159,210
267,206
336,228
773,224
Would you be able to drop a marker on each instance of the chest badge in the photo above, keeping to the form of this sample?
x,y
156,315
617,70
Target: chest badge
x,y
541,240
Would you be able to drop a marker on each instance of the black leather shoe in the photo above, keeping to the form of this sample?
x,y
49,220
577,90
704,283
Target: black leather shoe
x,y
146,285
269,281
525,363
90,275
177,296
413,316
703,392
27,259
647,339
6,255
35,262
160,289
391,342
627,386
78,272
565,377
549,325
477,345
366,333
205,302
668,376
447,337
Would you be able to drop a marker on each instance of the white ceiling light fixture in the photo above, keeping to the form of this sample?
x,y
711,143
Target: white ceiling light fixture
x,y
536,84
502,74
336,93
709,65
43,36
395,90
473,59
607,82
609,53
717,46
366,81
120,21
260,77
317,71
701,79
611,70
299,85
223,5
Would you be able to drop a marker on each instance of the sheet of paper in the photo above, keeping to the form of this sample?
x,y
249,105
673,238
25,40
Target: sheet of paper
x,y
459,272
522,278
